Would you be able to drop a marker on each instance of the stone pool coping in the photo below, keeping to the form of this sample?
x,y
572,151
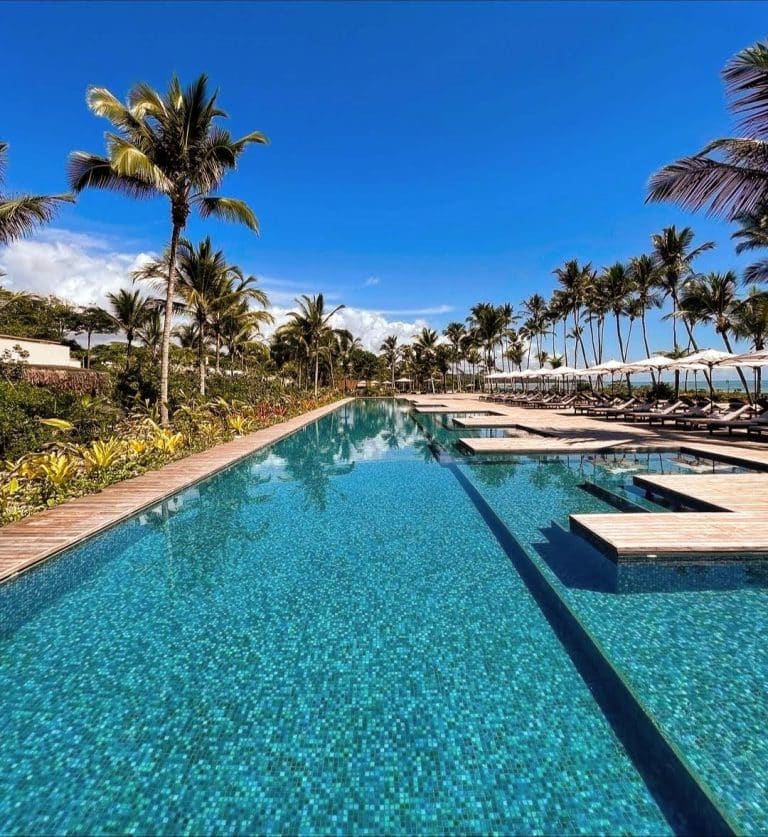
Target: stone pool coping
x,y
25,543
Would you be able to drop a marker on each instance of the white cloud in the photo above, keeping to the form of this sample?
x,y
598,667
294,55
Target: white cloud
x,y
371,281
80,268
84,268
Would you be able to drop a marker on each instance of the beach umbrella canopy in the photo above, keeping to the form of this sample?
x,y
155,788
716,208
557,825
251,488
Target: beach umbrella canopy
x,y
707,357
562,371
654,362
753,360
704,361
403,381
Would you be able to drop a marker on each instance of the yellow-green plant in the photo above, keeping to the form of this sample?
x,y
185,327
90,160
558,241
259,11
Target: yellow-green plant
x,y
167,442
101,455
53,469
239,424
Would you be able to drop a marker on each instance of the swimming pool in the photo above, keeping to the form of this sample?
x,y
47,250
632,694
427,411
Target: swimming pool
x,y
338,635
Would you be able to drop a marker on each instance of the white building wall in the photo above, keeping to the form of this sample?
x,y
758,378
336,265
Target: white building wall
x,y
41,352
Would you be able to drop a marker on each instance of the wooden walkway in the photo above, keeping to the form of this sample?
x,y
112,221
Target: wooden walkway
x,y
26,542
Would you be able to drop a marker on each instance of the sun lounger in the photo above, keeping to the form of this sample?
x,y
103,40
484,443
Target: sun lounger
x,y
757,424
696,422
654,414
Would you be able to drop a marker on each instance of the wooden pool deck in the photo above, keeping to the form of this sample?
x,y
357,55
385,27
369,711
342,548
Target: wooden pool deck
x,y
734,507
26,542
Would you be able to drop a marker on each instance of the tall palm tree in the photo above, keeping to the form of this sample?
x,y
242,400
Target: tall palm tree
x,y
750,322
711,298
347,345
674,256
455,333
21,215
574,279
535,326
129,312
645,278
617,285
425,347
390,351
489,323
728,177
166,144
312,322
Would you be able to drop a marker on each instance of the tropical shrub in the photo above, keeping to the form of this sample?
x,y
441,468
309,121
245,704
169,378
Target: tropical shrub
x,y
66,466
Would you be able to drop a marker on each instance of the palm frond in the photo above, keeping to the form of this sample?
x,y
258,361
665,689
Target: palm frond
x,y
228,209
746,80
756,273
90,170
254,137
130,162
21,215
723,189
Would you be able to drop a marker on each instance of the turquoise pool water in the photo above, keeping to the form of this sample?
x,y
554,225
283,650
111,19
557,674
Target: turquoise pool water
x,y
329,638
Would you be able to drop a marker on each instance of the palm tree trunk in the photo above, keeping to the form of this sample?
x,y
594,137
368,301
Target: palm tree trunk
x,y
738,368
201,364
165,353
88,352
645,343
317,368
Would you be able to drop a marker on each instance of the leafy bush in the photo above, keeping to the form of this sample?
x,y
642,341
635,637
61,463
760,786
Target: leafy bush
x,y
73,463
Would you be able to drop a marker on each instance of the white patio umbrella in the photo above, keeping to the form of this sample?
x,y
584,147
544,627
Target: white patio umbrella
x,y
754,360
705,360
610,367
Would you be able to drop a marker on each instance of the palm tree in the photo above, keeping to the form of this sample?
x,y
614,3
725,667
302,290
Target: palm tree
x,y
166,144
617,285
489,323
346,346
455,333
674,257
750,322
21,215
728,177
535,326
390,351
425,348
311,321
129,313
645,278
151,332
574,279
711,298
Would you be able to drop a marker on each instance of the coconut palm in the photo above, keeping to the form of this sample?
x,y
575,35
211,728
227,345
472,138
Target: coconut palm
x,y
574,280
728,177
312,322
489,323
674,256
151,332
129,313
455,333
166,144
617,285
390,351
645,277
711,298
21,215
750,322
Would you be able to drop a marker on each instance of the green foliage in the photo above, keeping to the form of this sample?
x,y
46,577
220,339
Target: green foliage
x,y
64,466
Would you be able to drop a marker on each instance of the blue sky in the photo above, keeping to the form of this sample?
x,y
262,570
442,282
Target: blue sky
x,y
423,156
